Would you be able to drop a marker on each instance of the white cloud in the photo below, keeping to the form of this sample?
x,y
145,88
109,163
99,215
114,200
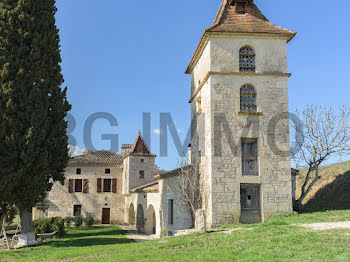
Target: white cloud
x,y
157,131
75,151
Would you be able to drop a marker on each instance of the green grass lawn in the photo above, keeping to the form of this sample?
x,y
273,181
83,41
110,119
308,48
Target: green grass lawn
x,y
276,240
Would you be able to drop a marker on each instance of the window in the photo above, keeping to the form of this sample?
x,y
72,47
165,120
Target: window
x,y
241,7
78,171
246,60
171,211
107,171
248,99
250,157
142,174
142,160
77,210
199,105
78,187
107,185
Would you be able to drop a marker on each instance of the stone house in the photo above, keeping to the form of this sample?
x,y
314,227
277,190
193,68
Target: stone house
x,y
240,139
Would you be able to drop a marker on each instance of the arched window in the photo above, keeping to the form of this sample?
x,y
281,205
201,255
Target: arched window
x,y
246,59
248,99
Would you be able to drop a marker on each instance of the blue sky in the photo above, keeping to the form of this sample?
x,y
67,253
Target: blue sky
x,y
129,57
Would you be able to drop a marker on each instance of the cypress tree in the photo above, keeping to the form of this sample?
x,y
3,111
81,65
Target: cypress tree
x,y
33,107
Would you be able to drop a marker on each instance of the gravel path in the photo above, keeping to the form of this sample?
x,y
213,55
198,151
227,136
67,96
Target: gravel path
x,y
328,226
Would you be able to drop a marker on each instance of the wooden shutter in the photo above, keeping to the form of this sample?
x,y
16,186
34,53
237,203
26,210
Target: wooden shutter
x,y
114,185
70,185
86,186
99,185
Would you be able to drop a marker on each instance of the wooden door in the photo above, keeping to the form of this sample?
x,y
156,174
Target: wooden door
x,y
106,214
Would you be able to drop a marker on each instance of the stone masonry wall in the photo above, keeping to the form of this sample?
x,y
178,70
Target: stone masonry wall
x,y
62,203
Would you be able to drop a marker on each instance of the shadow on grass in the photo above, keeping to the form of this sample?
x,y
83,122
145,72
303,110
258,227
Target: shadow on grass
x,y
95,231
86,242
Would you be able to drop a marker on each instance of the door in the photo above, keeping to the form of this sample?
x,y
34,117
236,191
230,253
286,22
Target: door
x,y
250,204
106,213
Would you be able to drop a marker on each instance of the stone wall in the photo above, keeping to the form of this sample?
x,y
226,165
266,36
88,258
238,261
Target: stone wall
x,y
220,96
62,202
132,167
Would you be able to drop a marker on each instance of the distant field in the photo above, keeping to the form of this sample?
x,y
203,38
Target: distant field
x,y
332,192
279,239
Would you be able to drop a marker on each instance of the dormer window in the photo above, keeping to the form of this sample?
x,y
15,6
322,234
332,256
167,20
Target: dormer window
x,y
240,6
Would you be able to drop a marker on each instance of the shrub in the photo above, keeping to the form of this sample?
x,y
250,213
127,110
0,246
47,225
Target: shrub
x,y
49,225
78,221
68,221
89,220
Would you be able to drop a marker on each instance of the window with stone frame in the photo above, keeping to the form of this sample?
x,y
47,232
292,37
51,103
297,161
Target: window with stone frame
x,y
250,157
77,210
107,185
142,174
78,185
248,99
246,60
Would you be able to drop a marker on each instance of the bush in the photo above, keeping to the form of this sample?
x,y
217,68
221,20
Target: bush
x,y
49,225
68,221
78,221
89,220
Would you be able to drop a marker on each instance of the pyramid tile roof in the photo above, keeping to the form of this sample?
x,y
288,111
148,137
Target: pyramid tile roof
x,y
139,147
228,21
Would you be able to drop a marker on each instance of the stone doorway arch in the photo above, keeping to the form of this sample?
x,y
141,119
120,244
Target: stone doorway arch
x,y
151,226
140,218
132,216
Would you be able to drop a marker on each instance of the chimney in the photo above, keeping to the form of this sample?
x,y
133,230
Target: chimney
x,y
125,149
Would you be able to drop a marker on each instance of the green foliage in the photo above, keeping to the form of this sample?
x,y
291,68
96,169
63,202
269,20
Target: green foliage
x,y
78,221
49,225
89,220
33,107
68,221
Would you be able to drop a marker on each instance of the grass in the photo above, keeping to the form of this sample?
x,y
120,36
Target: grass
x,y
279,239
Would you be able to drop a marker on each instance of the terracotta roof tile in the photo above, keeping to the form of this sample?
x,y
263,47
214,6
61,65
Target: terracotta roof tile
x,y
139,147
227,21
149,187
99,157
253,21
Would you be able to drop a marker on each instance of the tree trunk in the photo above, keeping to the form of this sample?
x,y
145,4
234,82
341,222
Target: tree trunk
x,y
27,237
298,206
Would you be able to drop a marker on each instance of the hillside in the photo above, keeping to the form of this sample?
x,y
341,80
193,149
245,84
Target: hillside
x,y
332,191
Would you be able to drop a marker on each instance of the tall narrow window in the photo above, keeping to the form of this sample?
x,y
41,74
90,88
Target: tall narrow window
x,y
77,210
250,157
142,174
246,60
78,185
248,99
171,211
107,185
78,171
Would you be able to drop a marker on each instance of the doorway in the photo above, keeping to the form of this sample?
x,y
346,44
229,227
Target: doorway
x,y
106,214
250,204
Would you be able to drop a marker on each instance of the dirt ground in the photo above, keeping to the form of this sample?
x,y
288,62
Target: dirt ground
x,y
327,226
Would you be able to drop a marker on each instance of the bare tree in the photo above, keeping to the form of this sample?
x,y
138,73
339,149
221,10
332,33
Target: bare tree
x,y
322,133
192,185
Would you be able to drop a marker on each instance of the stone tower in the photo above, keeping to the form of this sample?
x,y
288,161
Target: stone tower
x,y
139,165
240,130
